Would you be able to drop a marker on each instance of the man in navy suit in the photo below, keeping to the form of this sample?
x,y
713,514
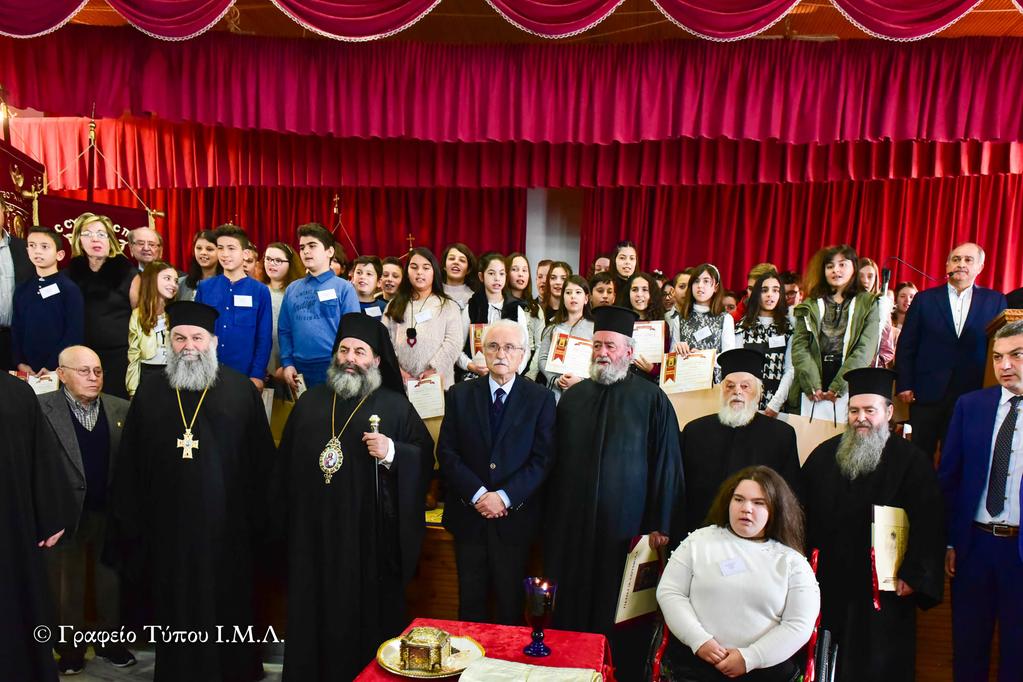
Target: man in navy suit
x,y
981,467
495,449
943,345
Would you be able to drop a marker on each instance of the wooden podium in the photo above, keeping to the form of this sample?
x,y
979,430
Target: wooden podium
x,y
1005,317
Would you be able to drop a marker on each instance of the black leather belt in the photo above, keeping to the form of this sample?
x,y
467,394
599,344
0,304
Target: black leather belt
x,y
999,530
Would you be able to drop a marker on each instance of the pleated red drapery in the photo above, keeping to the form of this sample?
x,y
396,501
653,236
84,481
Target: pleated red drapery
x,y
378,220
736,227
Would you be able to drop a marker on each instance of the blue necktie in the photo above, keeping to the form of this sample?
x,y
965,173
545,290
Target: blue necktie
x,y
1000,460
496,412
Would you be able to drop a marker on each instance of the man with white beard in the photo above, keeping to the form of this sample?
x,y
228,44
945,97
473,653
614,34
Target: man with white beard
x,y
843,479
356,462
718,445
617,475
189,504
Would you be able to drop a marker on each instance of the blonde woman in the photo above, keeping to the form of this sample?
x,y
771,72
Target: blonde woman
x,y
147,329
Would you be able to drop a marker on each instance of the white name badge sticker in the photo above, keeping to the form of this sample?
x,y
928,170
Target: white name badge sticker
x,y
732,566
423,316
776,342
373,312
242,301
326,295
702,334
49,290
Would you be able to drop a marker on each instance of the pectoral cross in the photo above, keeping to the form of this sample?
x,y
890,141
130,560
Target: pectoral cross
x,y
187,444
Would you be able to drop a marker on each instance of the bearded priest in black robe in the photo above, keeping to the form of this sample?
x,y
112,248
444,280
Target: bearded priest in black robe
x,y
844,477
718,445
189,500
358,462
33,506
617,475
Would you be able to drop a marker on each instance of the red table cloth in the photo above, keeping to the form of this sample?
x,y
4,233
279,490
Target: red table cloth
x,y
568,649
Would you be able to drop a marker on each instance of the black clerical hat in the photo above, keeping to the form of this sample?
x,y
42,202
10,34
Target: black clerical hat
x,y
193,314
742,360
876,380
373,333
614,318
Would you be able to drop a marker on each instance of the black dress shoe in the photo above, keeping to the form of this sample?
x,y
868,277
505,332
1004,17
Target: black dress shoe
x,y
116,655
72,662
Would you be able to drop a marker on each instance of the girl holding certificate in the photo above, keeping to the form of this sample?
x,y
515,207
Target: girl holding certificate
x,y
750,557
702,323
647,301
766,327
573,319
488,305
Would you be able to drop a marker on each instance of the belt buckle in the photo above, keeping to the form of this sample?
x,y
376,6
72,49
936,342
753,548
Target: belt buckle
x,y
1001,530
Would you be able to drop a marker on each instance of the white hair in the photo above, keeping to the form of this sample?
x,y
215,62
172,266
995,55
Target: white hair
x,y
509,324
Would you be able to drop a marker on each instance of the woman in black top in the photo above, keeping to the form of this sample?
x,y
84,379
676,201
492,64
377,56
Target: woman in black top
x,y
104,275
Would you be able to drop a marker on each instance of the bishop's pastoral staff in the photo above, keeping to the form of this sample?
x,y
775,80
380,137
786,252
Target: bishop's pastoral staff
x,y
357,461
843,479
189,502
617,474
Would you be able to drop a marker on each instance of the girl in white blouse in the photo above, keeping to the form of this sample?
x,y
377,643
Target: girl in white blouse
x,y
738,594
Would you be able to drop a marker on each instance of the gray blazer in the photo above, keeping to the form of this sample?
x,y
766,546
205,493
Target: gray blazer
x,y
58,414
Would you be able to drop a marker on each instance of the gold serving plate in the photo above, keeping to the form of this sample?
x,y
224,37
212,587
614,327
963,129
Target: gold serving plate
x,y
465,650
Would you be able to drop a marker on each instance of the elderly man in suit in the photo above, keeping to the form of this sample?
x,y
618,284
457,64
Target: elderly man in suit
x,y
87,423
15,268
981,469
495,449
943,345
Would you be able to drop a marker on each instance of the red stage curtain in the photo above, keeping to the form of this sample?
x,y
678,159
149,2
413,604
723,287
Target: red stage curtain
x,y
736,227
153,153
791,91
377,220
361,20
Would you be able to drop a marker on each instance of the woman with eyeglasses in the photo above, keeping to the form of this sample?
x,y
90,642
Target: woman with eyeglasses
x,y
104,276
282,266
148,335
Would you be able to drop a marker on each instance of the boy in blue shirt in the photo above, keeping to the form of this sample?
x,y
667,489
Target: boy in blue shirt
x,y
48,308
366,272
245,324
312,309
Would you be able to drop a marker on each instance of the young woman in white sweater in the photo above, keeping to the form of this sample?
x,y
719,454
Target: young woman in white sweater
x,y
738,594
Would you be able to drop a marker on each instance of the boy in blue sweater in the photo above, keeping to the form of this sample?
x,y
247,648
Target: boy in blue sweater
x,y
48,308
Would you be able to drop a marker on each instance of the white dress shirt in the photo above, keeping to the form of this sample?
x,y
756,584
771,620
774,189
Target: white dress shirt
x,y
960,304
493,391
1010,512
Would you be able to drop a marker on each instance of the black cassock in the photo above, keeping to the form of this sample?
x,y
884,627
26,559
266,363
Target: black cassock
x,y
186,531
33,499
711,452
350,555
872,644
617,474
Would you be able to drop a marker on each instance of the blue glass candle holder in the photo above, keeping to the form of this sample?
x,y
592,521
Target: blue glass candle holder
x,y
539,608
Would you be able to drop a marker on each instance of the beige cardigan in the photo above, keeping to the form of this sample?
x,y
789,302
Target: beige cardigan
x,y
439,340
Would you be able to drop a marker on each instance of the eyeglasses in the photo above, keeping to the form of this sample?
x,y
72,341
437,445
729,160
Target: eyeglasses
x,y
84,372
507,348
151,245
98,234
274,261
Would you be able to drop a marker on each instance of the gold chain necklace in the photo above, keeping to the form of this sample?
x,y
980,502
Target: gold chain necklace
x,y
186,442
331,458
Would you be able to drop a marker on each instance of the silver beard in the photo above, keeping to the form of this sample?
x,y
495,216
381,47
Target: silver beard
x,y
611,373
859,454
357,385
192,370
733,418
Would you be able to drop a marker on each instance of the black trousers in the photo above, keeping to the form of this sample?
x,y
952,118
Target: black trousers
x,y
6,361
488,565
930,423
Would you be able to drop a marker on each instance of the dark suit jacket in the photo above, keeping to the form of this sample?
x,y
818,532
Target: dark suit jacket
x,y
966,464
1014,299
23,268
930,359
55,408
516,461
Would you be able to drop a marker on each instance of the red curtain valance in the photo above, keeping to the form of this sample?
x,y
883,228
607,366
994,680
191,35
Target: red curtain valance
x,y
378,220
151,153
356,20
790,91
736,227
